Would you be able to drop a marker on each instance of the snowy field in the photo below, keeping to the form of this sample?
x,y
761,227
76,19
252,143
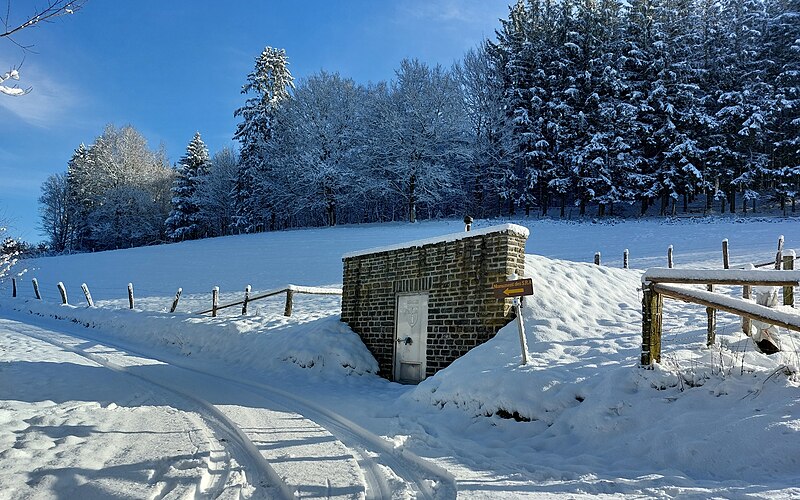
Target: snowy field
x,y
147,404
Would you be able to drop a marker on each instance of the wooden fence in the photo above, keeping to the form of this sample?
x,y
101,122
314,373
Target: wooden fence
x,y
780,257
661,282
289,290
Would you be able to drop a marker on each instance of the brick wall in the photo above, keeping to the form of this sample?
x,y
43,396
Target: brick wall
x,y
458,275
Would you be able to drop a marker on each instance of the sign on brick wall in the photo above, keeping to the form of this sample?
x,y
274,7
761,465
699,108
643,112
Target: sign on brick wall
x,y
515,288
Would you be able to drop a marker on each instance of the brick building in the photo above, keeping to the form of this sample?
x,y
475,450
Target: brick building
x,y
419,306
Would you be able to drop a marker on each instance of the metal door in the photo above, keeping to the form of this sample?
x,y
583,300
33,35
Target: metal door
x,y
411,338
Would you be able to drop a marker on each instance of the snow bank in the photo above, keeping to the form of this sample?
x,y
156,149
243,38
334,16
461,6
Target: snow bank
x,y
325,346
580,318
721,414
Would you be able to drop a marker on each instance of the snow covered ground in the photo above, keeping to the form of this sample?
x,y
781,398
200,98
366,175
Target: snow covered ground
x,y
148,404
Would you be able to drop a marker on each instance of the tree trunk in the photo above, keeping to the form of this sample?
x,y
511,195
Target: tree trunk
x,y
412,202
685,203
645,206
601,210
733,201
583,208
563,205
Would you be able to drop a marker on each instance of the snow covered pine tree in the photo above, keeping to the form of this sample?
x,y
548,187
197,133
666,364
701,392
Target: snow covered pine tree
x,y
184,221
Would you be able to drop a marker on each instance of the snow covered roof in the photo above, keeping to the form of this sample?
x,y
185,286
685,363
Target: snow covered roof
x,y
514,228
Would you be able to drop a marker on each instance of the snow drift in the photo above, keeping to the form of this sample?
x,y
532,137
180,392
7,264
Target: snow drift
x,y
323,345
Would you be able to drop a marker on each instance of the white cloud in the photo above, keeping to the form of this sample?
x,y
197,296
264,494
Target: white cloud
x,y
49,102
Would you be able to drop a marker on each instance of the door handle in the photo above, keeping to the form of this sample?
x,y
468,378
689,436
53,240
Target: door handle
x,y
406,341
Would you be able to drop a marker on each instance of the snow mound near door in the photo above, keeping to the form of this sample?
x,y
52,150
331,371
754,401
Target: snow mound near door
x,y
582,320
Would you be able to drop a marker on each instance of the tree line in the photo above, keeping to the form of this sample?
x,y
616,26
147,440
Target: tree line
x,y
591,104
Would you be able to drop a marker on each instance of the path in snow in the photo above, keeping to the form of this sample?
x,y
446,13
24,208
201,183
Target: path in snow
x,y
273,444
71,428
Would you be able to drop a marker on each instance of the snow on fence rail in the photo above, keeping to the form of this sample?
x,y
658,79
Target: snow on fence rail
x,y
721,277
662,282
290,290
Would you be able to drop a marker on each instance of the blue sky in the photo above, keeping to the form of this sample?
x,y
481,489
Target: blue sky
x,y
170,68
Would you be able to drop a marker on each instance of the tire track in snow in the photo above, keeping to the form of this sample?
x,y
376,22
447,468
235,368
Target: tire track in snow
x,y
373,453
260,474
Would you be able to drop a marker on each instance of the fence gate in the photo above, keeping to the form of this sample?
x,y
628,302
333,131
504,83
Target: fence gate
x,y
411,337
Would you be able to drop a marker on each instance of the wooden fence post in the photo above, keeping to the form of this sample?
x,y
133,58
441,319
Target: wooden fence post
x,y
652,303
788,291
36,289
711,331
669,257
725,262
214,301
779,255
63,292
746,322
130,295
287,311
175,300
13,287
247,290
87,294
597,258
625,259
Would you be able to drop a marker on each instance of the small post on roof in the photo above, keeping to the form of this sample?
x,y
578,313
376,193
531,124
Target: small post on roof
x,y
597,258
13,287
788,291
625,259
36,289
467,223
130,295
669,257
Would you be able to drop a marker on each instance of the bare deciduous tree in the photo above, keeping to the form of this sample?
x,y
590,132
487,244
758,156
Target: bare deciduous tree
x,y
12,24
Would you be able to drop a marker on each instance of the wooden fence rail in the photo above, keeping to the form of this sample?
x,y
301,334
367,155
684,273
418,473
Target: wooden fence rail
x,y
289,290
661,282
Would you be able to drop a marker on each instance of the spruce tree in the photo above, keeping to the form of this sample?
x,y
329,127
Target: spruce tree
x,y
269,84
185,221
